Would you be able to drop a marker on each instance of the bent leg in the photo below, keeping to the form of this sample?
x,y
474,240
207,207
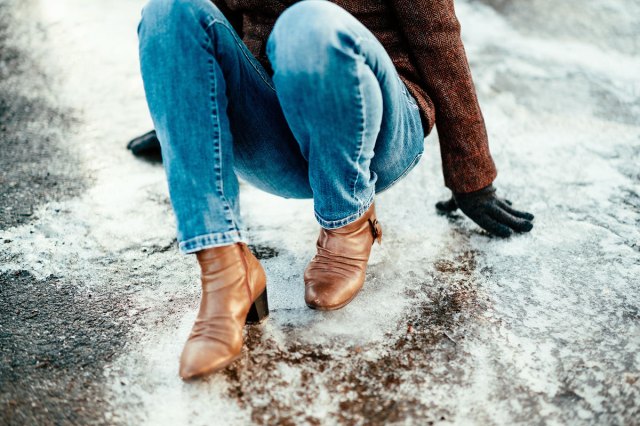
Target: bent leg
x,y
208,97
349,111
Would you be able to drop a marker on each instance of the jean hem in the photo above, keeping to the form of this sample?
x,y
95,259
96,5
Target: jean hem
x,y
215,239
333,224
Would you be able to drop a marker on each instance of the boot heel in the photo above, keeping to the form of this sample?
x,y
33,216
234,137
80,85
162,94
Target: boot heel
x,y
259,310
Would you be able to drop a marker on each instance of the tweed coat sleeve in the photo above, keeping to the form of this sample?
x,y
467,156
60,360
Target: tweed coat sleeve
x,y
432,33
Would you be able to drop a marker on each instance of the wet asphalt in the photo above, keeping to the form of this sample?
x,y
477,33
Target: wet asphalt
x,y
32,126
54,339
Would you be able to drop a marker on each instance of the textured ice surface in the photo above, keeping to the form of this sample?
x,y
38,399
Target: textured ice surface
x,y
452,326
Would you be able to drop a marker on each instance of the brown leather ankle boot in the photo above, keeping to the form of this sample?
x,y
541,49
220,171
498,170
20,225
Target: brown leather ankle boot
x,y
336,273
233,293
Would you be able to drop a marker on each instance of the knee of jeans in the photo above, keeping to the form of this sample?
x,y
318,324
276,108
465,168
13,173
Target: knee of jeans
x,y
163,16
307,34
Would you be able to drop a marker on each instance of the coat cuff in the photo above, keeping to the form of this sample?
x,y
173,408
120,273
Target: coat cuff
x,y
469,174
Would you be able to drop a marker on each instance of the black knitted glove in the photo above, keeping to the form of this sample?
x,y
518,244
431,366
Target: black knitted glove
x,y
493,214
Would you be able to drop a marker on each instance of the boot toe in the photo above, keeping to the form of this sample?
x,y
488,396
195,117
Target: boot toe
x,y
201,357
329,294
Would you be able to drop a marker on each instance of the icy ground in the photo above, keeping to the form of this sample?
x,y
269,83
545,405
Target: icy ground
x,y
452,327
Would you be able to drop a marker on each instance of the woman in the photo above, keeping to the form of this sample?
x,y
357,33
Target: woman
x,y
309,99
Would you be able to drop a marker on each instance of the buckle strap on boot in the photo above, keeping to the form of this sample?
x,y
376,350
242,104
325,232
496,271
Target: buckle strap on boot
x,y
376,230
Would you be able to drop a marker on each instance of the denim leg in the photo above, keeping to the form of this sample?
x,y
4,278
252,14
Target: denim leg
x,y
216,113
346,106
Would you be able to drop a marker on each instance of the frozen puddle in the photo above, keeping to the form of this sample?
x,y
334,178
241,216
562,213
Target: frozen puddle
x,y
451,327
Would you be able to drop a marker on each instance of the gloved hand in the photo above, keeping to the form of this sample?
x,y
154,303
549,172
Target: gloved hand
x,y
493,214
147,146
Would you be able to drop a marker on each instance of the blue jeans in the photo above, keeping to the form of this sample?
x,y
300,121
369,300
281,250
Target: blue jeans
x,y
334,122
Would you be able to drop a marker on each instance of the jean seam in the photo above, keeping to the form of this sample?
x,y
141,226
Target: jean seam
x,y
241,46
217,145
362,121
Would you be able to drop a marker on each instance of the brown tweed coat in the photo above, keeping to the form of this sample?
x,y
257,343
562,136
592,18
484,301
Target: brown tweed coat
x,y
423,40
